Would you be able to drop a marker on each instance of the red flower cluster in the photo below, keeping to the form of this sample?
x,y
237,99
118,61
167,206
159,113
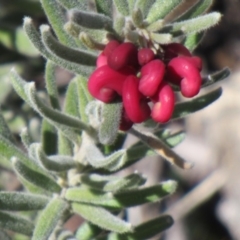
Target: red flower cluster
x,y
140,77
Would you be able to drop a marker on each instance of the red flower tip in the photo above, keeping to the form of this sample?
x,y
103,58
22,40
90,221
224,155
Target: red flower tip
x,y
113,44
101,60
124,55
163,109
151,76
136,108
145,55
185,70
125,123
174,49
105,83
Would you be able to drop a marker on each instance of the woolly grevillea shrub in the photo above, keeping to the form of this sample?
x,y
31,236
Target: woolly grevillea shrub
x,y
129,69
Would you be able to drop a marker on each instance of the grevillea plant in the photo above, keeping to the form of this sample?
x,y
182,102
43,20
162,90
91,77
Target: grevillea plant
x,y
130,60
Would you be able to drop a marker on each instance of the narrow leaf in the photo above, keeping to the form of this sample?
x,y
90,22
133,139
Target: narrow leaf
x,y
4,129
56,18
65,146
162,38
160,9
87,231
144,6
16,223
26,138
104,7
35,178
133,197
185,108
119,24
216,77
35,38
83,4
64,52
49,218
174,139
101,218
137,17
122,7
193,40
18,201
111,116
161,148
199,8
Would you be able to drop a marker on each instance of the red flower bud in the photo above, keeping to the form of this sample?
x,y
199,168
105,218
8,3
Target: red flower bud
x,y
136,108
110,47
182,69
104,83
145,55
174,49
163,108
151,76
124,55
125,123
101,60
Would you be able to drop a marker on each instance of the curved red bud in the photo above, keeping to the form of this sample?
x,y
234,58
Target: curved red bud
x,y
105,84
163,109
110,47
125,123
101,60
124,55
151,76
136,108
145,55
187,72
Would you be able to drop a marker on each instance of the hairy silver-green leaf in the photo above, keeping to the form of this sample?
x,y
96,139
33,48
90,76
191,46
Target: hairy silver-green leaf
x,y
137,17
51,84
65,146
101,218
84,97
161,8
185,108
110,119
87,231
122,7
83,4
193,40
49,219
144,6
57,19
216,77
194,25
145,230
16,223
35,38
161,38
90,42
119,24
64,52
4,129
155,26
19,201
104,6
174,139
65,235
35,177
91,19
25,137
133,197
200,7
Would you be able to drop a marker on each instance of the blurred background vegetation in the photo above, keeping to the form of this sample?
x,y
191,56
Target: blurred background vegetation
x,y
212,135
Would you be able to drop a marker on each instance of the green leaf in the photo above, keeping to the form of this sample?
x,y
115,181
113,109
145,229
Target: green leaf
x,y
160,9
144,6
65,146
200,7
91,20
101,218
90,43
49,218
185,108
16,223
122,7
84,97
51,84
87,231
18,201
193,40
137,17
55,163
159,147
49,138
174,139
145,230
56,17
4,129
194,25
64,52
162,38
35,38
216,77
104,7
132,197
4,236
119,24
110,119
35,178
83,4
